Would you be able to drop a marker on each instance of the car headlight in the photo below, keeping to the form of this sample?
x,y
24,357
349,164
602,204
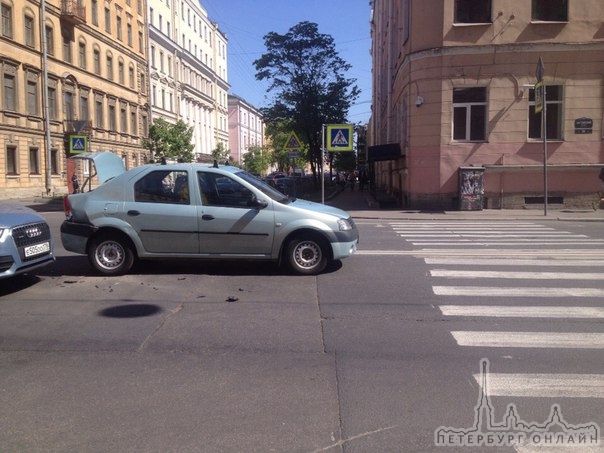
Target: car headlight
x,y
344,224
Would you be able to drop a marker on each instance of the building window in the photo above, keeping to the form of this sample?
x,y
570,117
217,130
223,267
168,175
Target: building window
x,y
109,67
52,103
473,11
95,12
123,118
554,107
67,49
550,10
29,31
98,112
54,161
82,55
141,41
469,114
131,76
112,119
7,21
84,113
120,72
96,56
107,20
133,121
68,107
34,161
8,84
11,160
118,25
153,57
50,42
129,34
32,96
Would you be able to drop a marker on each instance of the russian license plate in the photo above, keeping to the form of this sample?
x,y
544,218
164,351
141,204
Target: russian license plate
x,y
36,249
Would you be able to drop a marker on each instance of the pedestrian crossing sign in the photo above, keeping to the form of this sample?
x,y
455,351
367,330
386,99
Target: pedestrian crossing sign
x,y
293,143
339,137
78,144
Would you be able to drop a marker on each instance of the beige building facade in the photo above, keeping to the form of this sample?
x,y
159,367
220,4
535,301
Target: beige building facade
x,y
92,57
454,88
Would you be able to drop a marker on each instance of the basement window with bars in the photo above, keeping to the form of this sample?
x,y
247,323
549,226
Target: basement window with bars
x,y
470,114
473,11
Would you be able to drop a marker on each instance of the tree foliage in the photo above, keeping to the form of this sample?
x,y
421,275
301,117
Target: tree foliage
x,y
170,141
306,76
221,153
257,160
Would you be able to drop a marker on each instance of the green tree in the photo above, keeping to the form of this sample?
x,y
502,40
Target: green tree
x,y
170,141
306,75
221,154
257,160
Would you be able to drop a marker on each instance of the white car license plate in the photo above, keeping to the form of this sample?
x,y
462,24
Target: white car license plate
x,y
36,249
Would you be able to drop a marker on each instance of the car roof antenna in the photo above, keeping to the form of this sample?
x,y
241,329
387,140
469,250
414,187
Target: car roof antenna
x,y
215,163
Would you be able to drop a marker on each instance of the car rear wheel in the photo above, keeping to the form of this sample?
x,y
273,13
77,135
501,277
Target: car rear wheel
x,y
306,256
111,255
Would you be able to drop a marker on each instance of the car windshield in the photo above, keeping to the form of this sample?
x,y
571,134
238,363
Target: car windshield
x,y
263,187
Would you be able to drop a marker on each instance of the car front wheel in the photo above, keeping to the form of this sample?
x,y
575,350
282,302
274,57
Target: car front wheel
x,y
306,256
111,255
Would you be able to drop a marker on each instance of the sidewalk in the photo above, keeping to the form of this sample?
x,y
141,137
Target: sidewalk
x,y
361,205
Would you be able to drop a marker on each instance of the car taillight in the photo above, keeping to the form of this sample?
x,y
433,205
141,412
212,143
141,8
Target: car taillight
x,y
67,207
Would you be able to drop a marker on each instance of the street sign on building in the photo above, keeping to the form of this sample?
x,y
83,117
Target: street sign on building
x,y
339,137
539,96
78,144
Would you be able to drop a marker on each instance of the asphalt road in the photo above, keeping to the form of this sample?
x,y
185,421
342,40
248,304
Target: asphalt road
x,y
375,355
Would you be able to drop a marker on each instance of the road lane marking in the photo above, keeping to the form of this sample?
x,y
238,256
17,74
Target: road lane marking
x,y
517,275
539,385
486,291
549,340
504,311
514,262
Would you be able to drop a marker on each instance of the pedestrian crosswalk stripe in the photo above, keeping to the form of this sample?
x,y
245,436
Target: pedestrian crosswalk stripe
x,y
549,340
514,262
504,311
496,243
545,385
518,275
484,291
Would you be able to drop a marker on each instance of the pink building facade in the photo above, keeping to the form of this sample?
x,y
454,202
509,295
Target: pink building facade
x,y
454,88
246,127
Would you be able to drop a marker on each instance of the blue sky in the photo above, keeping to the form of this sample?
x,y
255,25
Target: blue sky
x,y
247,21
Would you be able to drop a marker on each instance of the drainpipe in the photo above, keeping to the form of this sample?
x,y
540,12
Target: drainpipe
x,y
47,154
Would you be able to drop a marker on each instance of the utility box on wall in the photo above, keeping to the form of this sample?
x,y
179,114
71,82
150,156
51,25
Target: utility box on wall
x,y
471,188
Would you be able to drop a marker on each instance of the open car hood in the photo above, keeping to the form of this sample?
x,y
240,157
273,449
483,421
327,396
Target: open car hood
x,y
107,164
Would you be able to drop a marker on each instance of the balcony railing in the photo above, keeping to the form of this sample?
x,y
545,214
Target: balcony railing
x,y
73,12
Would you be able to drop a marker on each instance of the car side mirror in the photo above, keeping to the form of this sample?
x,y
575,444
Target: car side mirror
x,y
256,203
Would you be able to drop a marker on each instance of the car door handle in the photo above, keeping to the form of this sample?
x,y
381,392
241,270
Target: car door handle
x,y
134,212
207,217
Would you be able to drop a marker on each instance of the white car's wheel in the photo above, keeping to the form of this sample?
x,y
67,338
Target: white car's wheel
x,y
111,255
306,256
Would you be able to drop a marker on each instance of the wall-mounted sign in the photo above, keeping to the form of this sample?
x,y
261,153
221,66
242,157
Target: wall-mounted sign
x,y
584,126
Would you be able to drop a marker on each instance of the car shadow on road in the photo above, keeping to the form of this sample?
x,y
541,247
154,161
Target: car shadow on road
x,y
18,283
79,266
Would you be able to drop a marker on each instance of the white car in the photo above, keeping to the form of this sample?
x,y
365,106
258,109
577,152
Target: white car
x,y
25,240
185,210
